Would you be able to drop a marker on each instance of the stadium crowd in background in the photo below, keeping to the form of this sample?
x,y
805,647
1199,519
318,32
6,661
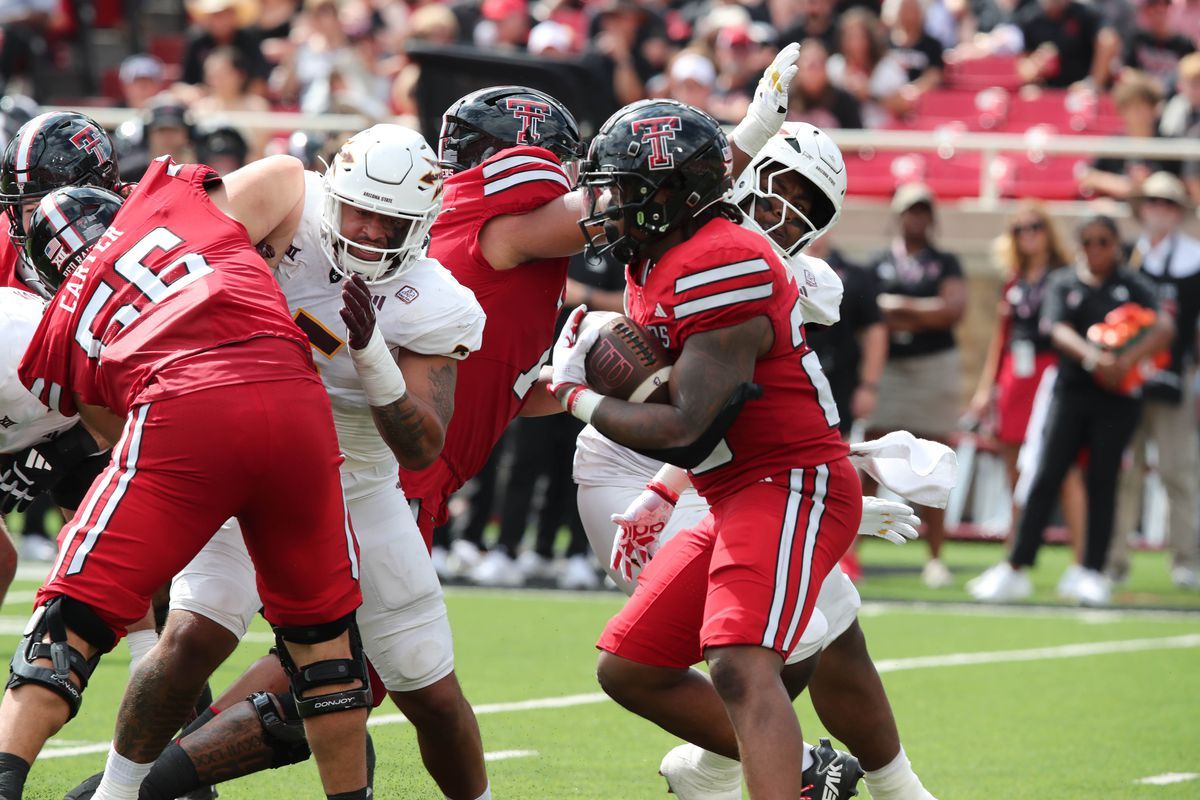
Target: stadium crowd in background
x,y
862,64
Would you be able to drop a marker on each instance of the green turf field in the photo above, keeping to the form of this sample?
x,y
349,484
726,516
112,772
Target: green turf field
x,y
1056,703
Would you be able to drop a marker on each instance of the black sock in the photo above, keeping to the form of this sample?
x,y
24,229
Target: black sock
x,y
362,794
13,772
370,761
199,722
173,775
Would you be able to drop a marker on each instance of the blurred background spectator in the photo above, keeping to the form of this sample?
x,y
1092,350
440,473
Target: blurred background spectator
x,y
221,146
1154,47
1065,42
1138,99
865,67
142,77
814,98
1021,355
912,46
922,297
1088,412
222,23
1181,114
226,86
1170,258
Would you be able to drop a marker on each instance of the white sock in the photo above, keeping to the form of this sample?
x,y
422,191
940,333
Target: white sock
x,y
896,781
139,643
487,793
807,761
122,778
718,765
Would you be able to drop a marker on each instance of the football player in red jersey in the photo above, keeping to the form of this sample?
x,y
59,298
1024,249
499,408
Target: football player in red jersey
x,y
508,226
786,502
166,314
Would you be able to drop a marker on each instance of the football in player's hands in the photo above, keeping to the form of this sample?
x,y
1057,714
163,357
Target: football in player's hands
x,y
628,362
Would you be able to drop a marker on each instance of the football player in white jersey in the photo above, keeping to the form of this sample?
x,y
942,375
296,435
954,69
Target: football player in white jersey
x,y
387,326
792,191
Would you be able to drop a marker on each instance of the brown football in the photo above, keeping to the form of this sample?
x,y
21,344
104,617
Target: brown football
x,y
628,362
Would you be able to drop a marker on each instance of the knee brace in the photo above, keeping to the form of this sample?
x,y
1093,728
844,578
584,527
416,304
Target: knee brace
x,y
325,673
54,618
282,726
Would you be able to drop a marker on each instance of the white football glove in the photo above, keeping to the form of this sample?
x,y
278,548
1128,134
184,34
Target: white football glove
x,y
570,351
768,109
639,526
895,522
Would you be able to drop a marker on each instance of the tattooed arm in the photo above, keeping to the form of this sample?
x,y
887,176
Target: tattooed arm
x,y
414,426
711,367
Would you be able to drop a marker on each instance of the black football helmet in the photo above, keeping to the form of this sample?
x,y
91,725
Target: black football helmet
x,y
483,123
64,227
53,150
654,166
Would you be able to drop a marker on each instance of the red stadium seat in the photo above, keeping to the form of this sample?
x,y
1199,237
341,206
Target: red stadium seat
x,y
167,47
1051,178
977,110
982,73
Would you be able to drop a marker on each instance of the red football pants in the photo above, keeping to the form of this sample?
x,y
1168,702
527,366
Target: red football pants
x,y
748,574
265,453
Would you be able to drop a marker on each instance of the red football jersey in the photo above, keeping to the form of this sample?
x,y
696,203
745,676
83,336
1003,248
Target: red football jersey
x,y
721,277
8,263
521,304
144,316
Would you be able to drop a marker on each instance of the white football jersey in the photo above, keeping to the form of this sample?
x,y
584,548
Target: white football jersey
x,y
424,310
820,289
23,419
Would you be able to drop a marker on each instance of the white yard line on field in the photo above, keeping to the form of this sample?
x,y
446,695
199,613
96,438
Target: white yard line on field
x,y
102,747
1168,778
504,755
886,665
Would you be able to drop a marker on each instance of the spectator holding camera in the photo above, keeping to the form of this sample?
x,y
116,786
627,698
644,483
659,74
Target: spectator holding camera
x,y
1021,352
1091,408
1170,258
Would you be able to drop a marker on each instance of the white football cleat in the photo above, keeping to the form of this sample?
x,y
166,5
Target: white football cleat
x,y
935,575
533,565
464,556
1003,584
1068,581
1092,589
689,779
497,569
1185,578
579,574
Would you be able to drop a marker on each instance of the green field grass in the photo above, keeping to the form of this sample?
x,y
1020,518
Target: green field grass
x,y
1041,723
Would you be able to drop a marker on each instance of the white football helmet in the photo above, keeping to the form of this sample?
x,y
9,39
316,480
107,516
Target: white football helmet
x,y
810,153
388,170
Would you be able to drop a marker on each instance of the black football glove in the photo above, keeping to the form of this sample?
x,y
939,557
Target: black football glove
x,y
39,468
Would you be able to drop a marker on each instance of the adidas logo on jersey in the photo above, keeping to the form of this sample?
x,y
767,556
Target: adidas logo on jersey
x,y
377,301
658,311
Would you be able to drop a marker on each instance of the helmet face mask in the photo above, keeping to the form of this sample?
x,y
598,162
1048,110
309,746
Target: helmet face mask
x,y
383,191
53,150
787,206
483,123
653,167
793,189
63,230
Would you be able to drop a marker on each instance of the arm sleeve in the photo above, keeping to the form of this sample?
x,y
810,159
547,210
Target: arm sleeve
x,y
867,297
951,267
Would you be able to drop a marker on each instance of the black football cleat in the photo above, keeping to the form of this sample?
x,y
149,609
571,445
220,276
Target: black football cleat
x,y
85,790
834,775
